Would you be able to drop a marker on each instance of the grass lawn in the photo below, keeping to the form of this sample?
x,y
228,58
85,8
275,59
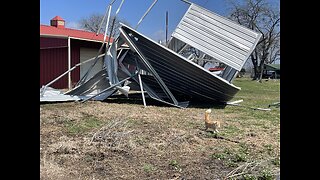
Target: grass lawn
x,y
124,140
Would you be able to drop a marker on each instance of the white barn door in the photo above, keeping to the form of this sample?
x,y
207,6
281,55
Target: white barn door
x,y
85,54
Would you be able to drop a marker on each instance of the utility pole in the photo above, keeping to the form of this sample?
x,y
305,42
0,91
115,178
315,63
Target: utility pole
x,y
167,28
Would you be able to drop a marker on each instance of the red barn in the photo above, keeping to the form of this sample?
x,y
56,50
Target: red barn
x,y
61,48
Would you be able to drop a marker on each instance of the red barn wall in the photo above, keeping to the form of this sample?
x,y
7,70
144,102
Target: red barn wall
x,y
54,60
48,42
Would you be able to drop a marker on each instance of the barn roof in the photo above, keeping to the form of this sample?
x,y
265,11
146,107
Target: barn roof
x,y
58,18
72,33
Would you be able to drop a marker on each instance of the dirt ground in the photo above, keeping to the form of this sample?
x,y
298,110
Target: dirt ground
x,y
101,140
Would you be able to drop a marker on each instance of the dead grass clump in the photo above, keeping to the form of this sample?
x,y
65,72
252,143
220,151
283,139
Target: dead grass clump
x,y
255,169
114,134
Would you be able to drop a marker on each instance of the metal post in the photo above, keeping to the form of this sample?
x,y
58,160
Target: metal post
x,y
106,29
149,67
69,64
186,1
142,93
167,28
154,2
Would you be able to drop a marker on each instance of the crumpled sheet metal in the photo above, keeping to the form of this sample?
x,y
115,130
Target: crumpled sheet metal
x,y
55,95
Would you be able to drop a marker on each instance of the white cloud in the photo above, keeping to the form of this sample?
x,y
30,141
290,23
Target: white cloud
x,y
73,25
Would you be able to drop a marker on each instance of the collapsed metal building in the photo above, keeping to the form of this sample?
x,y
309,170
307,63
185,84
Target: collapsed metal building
x,y
165,73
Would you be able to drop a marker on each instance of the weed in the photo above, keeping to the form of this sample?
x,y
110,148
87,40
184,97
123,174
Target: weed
x,y
210,134
227,151
265,175
276,161
230,130
269,148
231,164
239,157
231,158
140,140
219,156
148,168
244,148
249,177
175,164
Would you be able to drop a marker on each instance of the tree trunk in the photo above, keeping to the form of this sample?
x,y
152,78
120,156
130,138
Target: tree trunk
x,y
263,60
254,59
256,73
261,71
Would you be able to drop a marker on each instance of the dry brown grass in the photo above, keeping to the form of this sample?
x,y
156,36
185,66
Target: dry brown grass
x,y
124,140
132,142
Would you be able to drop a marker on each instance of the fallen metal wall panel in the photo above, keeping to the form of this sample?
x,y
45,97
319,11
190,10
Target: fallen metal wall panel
x,y
133,46
217,36
179,74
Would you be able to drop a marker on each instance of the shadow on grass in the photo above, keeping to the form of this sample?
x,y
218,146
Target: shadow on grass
x,y
203,105
137,99
55,102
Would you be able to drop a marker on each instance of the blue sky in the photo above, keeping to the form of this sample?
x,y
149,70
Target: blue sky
x,y
153,26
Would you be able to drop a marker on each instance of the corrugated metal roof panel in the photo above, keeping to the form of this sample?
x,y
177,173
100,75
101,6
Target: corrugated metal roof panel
x,y
178,73
217,36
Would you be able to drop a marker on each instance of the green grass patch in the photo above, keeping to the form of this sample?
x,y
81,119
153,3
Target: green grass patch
x,y
258,94
230,131
85,124
276,161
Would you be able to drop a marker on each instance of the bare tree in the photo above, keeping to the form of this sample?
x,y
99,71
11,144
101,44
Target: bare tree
x,y
196,56
275,52
93,22
260,16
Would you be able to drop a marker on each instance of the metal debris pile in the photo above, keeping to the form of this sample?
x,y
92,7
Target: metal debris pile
x,y
134,62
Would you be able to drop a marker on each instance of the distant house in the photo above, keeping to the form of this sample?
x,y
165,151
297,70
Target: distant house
x,y
61,48
272,71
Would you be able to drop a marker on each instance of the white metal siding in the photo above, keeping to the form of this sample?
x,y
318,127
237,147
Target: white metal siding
x,y
85,54
217,36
